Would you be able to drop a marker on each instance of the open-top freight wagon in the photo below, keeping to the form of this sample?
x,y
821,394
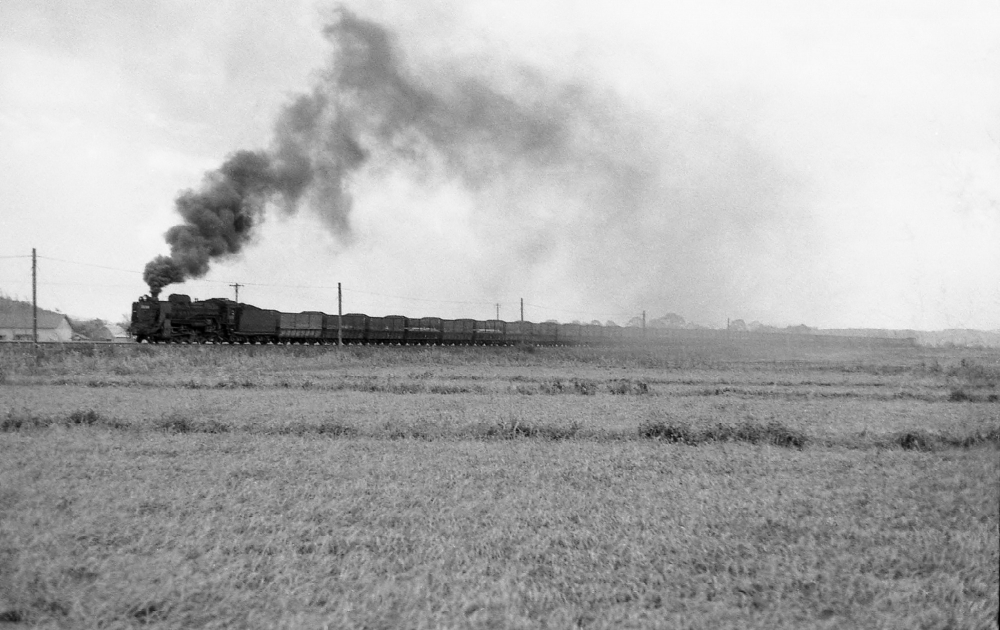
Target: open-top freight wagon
x,y
178,319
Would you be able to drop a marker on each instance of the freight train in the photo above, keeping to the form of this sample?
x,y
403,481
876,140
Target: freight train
x,y
178,319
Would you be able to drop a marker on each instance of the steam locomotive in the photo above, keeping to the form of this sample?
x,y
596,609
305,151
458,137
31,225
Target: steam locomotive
x,y
178,319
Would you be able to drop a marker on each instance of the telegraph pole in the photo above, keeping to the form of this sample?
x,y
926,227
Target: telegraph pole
x,y
498,311
237,285
340,316
34,297
522,309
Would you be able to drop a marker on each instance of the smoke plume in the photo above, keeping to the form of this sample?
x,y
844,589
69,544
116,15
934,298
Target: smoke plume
x,y
518,141
364,104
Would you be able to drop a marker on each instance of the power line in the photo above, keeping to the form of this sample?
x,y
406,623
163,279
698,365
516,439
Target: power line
x,y
76,262
82,284
584,313
298,286
413,299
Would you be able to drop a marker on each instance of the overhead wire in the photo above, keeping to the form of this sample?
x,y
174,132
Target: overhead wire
x,y
505,303
576,312
414,299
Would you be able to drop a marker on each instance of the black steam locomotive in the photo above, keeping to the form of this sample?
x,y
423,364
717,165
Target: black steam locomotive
x,y
178,319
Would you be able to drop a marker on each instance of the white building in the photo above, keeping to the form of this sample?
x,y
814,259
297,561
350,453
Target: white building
x,y
16,325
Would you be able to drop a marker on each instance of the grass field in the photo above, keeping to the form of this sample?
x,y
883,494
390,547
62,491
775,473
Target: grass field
x,y
675,487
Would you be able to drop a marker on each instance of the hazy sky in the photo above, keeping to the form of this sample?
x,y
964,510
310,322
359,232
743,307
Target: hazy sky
x,y
829,163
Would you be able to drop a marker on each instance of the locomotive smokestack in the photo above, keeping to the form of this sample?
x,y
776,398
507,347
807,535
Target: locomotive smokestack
x,y
160,272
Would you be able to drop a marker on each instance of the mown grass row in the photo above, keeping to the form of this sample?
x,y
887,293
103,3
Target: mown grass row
x,y
552,386
771,433
976,369
585,387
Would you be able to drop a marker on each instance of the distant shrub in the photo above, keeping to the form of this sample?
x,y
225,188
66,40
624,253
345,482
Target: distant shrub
x,y
336,429
668,432
585,387
296,428
960,395
452,389
212,426
149,613
13,616
625,386
781,435
976,374
405,388
772,433
555,386
89,417
515,429
175,423
373,385
915,441
18,420
923,441
510,431
553,432
396,431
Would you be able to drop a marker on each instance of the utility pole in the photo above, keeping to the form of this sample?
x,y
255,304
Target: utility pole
x,y
498,311
340,316
237,285
34,298
522,309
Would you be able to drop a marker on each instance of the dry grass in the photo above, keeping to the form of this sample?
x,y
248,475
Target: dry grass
x,y
261,530
413,487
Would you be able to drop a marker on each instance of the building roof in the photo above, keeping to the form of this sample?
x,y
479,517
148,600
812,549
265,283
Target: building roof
x,y
18,315
116,330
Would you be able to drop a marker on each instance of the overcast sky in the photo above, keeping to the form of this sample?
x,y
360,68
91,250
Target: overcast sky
x,y
829,163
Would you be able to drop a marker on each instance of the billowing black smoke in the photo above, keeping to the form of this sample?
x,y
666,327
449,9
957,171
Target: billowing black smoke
x,y
669,205
219,219
363,104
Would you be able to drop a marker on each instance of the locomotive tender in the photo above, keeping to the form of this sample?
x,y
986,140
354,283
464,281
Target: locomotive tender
x,y
178,319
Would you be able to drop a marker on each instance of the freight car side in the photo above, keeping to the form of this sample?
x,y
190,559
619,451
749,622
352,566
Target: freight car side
x,y
353,328
519,333
423,330
460,332
306,327
489,332
256,325
390,329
